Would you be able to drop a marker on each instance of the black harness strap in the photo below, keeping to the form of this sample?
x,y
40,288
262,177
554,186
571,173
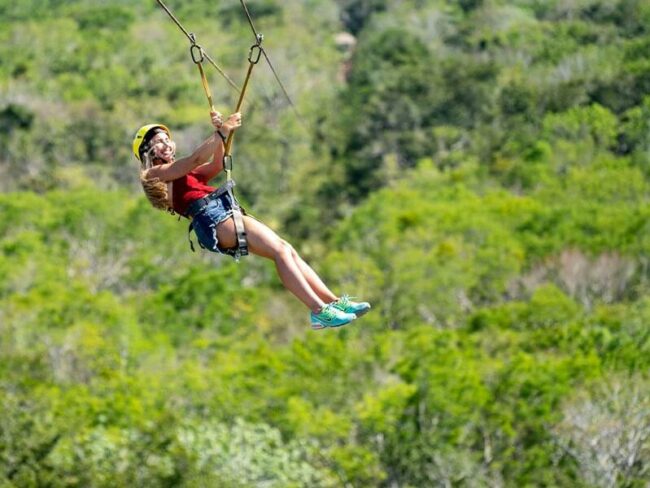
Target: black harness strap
x,y
240,229
197,205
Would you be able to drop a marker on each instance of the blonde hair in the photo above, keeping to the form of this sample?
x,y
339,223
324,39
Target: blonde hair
x,y
155,189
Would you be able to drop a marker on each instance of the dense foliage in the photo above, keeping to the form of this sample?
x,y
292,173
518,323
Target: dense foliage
x,y
478,170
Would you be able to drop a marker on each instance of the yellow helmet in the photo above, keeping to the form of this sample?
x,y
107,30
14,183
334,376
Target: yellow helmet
x,y
141,135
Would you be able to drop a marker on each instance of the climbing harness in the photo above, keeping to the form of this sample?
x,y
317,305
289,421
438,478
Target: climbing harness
x,y
198,56
199,205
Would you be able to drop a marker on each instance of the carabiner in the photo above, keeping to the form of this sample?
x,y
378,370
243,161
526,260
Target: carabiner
x,y
193,49
250,54
258,46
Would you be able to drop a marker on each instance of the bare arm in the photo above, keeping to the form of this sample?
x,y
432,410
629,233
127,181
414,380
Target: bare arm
x,y
213,146
180,167
213,168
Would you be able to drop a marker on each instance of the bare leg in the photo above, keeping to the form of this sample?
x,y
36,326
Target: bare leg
x,y
266,243
313,279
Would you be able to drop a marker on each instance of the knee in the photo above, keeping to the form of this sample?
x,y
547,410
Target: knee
x,y
284,250
294,253
285,247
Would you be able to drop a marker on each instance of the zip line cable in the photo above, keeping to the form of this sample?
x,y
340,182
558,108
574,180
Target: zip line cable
x,y
258,38
250,20
198,55
202,54
295,109
192,39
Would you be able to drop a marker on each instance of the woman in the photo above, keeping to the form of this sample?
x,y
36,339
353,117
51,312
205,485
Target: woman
x,y
181,185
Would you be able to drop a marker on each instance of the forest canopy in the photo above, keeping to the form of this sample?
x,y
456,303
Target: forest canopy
x,y
479,170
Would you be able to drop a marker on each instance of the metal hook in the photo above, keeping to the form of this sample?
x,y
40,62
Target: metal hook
x,y
198,59
257,57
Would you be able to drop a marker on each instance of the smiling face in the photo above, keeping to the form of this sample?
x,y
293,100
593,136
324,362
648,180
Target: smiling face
x,y
162,147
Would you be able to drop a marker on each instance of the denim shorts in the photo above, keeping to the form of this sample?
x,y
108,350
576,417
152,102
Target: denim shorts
x,y
206,220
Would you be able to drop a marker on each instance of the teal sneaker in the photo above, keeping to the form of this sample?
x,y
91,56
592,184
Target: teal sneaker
x,y
329,316
345,304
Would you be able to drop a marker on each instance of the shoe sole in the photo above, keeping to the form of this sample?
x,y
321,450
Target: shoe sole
x,y
317,326
321,327
361,313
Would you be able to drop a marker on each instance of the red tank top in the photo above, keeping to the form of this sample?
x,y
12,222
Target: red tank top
x,y
188,188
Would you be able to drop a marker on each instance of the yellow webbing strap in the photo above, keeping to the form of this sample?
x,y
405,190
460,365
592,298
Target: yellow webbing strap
x,y
253,58
206,87
227,158
197,56
192,39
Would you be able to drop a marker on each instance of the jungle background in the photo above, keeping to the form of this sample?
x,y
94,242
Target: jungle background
x,y
479,170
